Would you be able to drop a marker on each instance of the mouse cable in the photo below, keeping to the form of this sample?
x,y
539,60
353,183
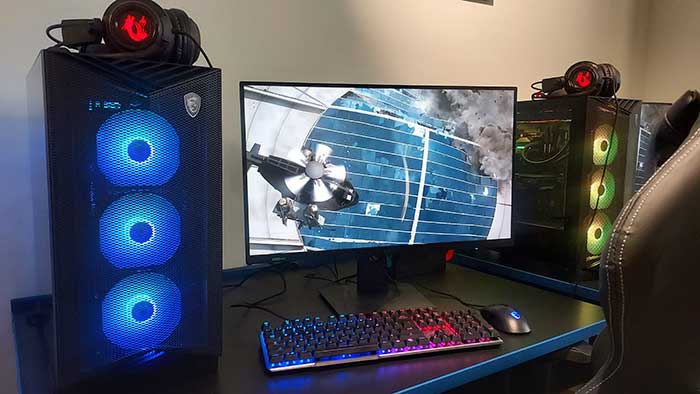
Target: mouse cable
x,y
452,296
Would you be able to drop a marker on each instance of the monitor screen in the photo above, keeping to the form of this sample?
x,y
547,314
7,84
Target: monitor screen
x,y
337,167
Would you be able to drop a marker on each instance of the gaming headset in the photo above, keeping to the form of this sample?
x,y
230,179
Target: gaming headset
x,y
584,78
134,29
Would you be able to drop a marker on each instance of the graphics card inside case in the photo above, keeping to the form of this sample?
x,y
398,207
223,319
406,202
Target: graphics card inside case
x,y
126,177
573,173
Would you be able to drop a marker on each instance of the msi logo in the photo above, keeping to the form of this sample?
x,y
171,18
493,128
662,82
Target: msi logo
x,y
192,104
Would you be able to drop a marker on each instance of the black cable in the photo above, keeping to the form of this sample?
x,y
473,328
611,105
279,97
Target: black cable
x,y
278,269
607,155
51,37
391,280
270,267
279,293
258,307
194,41
330,268
239,284
602,179
551,158
539,93
452,296
344,278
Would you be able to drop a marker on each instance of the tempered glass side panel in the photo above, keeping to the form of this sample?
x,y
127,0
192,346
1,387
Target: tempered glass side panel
x,y
541,163
36,111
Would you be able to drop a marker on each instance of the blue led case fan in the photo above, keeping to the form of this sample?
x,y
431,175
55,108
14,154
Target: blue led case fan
x,y
137,148
141,311
139,230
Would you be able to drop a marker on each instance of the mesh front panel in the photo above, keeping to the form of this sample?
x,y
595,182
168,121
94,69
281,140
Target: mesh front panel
x,y
598,233
605,195
602,193
141,311
135,194
601,144
139,230
137,148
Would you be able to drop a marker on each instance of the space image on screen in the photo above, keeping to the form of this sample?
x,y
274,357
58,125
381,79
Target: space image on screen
x,y
342,167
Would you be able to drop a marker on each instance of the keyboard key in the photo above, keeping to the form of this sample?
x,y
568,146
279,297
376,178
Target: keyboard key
x,y
305,355
275,358
388,332
347,350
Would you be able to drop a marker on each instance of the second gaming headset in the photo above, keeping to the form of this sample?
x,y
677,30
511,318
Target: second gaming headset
x,y
134,29
584,78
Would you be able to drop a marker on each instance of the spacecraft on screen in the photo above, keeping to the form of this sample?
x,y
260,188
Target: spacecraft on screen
x,y
308,183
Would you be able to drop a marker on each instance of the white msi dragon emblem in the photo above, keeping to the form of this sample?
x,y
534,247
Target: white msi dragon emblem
x,y
192,104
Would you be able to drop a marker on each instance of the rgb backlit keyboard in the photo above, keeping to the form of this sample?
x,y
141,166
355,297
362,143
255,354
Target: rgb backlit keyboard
x,y
315,342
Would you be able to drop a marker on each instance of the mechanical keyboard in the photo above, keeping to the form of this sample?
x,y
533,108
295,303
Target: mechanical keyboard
x,y
309,343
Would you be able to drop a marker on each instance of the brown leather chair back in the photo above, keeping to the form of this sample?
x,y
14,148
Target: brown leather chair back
x,y
650,285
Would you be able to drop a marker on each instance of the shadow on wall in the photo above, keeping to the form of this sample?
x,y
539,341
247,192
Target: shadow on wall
x,y
18,276
307,41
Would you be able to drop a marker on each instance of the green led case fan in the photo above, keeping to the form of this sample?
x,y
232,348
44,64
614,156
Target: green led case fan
x,y
602,193
598,233
601,144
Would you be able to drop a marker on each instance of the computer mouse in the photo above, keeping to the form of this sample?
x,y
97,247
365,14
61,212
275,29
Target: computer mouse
x,y
506,319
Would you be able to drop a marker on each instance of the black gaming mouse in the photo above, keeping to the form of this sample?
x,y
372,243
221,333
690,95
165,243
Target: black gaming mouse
x,y
506,319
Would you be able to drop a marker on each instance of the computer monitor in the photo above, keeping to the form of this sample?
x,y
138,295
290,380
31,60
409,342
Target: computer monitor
x,y
339,168
651,114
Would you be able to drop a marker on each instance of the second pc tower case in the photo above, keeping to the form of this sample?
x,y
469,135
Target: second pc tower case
x,y
573,174
126,172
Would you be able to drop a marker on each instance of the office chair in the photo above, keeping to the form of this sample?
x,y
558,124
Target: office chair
x,y
650,282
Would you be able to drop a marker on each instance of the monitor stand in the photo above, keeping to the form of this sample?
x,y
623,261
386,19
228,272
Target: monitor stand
x,y
375,290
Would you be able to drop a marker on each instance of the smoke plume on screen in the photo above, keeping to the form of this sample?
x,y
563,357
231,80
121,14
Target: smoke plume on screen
x,y
484,117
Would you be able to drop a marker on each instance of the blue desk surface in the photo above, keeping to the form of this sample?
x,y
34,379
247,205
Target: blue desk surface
x,y
549,283
558,321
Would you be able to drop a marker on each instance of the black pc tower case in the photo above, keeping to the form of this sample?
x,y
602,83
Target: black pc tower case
x,y
126,175
573,174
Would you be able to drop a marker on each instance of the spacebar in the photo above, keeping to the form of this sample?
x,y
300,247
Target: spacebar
x,y
345,350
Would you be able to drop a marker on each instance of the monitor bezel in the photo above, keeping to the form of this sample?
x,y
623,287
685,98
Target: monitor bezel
x,y
318,254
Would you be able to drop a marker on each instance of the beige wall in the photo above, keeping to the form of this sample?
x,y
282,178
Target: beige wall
x,y
673,49
388,41
418,42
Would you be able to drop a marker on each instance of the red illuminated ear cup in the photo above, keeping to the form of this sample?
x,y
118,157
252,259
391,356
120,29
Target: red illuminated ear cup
x,y
156,24
570,83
